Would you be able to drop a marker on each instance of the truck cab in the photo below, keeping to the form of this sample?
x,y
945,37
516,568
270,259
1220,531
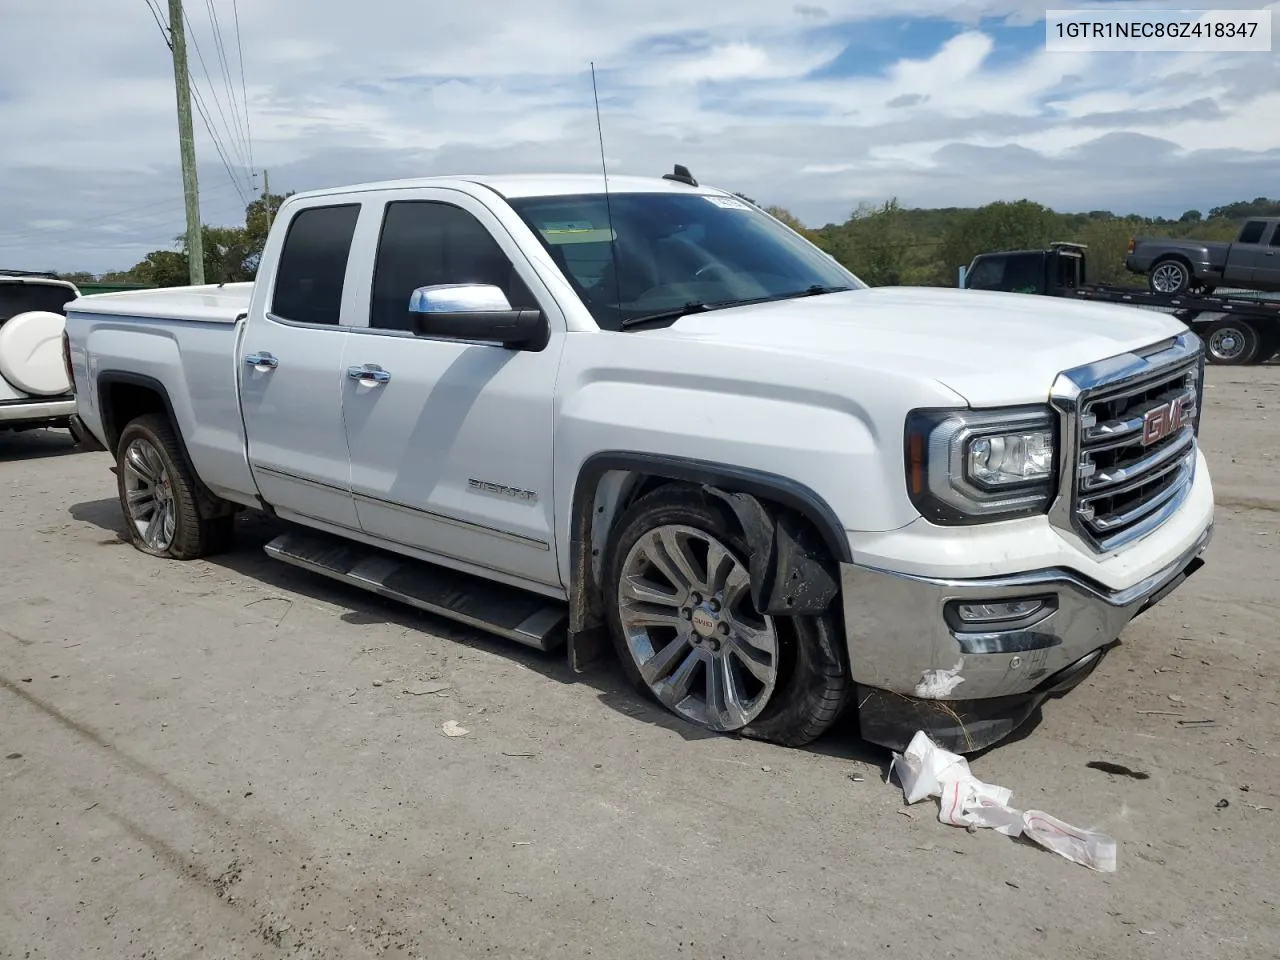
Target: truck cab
x,y
1051,272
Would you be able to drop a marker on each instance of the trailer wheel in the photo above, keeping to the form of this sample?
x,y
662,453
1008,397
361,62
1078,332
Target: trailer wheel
x,y
1232,342
1169,277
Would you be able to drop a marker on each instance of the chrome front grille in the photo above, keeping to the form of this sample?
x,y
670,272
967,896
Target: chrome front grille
x,y
1130,426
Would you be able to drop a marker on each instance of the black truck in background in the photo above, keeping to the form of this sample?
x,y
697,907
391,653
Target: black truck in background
x,y
1236,330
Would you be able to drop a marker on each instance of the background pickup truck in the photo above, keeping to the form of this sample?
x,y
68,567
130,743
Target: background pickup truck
x,y
1250,262
660,417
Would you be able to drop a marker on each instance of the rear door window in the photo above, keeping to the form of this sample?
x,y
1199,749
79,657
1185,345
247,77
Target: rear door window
x,y
313,265
16,298
1252,231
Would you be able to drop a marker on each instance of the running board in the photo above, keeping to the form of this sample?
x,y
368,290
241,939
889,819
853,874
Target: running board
x,y
494,607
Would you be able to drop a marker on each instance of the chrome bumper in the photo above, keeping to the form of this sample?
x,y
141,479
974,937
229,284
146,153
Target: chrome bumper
x,y
36,410
905,639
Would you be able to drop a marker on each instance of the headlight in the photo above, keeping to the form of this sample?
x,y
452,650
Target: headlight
x,y
968,466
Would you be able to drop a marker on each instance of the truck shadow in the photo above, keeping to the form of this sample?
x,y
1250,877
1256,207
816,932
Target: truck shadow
x,y
254,530
35,445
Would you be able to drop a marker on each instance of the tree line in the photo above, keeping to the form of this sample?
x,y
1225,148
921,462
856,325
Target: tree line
x,y
884,244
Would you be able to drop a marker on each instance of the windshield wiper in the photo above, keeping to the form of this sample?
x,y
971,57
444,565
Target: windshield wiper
x,y
699,306
694,306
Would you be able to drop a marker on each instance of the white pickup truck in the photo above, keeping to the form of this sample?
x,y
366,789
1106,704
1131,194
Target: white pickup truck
x,y
656,414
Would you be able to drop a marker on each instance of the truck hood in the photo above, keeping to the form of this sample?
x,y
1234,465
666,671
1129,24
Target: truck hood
x,y
991,348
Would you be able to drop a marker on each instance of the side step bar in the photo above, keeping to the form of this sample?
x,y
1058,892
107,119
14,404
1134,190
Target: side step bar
x,y
494,607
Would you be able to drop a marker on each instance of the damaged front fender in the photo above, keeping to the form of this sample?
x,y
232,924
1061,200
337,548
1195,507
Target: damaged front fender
x,y
791,571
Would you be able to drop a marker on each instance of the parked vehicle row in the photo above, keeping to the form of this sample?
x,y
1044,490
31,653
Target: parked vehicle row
x,y
1236,329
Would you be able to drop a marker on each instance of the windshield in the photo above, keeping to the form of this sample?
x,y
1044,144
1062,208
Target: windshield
x,y
637,255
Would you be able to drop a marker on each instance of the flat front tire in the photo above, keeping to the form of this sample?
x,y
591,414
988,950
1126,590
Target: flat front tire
x,y
689,636
158,495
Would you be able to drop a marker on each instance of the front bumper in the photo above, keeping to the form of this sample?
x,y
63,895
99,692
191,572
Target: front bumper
x,y
918,667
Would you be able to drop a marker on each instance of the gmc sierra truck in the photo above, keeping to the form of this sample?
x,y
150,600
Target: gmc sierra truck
x,y
650,413
1249,262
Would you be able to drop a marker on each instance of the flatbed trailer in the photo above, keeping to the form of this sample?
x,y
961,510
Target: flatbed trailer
x,y
1236,329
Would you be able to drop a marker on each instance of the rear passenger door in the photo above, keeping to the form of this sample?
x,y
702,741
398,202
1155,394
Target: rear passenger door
x,y
451,453
291,374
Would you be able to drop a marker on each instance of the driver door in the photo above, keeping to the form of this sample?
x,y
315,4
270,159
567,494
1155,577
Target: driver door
x,y
451,440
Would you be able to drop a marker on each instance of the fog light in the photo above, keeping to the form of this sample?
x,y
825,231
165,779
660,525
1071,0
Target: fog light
x,y
996,611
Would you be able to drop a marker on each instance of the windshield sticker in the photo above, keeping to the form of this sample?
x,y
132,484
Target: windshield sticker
x,y
568,226
728,203
575,232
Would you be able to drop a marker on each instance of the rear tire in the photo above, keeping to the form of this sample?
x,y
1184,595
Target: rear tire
x,y
680,613
158,495
1231,342
1169,278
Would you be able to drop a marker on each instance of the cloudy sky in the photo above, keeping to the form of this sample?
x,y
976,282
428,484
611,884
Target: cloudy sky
x,y
816,106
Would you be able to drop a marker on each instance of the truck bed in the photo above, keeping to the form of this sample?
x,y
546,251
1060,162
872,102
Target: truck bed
x,y
210,303
183,339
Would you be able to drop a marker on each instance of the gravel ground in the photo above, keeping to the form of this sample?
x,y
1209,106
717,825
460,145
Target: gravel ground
x,y
238,759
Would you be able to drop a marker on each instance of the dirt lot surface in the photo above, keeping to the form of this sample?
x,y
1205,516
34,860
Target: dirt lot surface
x,y
223,759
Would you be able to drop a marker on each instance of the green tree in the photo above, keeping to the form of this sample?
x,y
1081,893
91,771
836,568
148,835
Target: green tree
x,y
1020,225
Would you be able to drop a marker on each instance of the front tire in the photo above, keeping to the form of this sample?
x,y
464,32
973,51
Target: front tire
x,y
158,495
677,592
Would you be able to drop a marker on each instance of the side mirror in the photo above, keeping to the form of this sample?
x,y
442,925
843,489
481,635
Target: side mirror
x,y
476,311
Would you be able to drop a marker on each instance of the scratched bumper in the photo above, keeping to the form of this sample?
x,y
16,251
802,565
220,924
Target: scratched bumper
x,y
907,647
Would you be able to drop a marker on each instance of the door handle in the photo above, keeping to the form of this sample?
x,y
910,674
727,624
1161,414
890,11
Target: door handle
x,y
262,359
369,373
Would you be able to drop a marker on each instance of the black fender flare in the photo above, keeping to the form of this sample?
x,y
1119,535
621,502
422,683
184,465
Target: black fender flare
x,y
209,504
796,539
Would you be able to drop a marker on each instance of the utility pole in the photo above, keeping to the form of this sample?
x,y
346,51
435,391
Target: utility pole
x,y
266,183
187,142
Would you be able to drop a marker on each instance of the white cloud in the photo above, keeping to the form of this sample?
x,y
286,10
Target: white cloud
x,y
748,94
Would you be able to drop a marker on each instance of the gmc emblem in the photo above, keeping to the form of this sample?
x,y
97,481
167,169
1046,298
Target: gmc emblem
x,y
1166,419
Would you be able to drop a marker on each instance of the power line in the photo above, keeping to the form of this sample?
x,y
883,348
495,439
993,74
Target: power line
x,y
167,33
217,145
128,215
213,92
244,90
221,50
164,30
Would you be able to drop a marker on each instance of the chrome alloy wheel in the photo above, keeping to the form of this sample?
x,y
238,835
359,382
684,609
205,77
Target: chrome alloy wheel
x,y
684,601
1169,277
149,495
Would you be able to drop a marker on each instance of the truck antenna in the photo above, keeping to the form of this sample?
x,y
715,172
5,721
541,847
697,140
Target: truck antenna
x,y
608,205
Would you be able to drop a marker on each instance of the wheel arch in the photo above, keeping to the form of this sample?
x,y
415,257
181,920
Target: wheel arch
x,y
1177,256
123,397
764,503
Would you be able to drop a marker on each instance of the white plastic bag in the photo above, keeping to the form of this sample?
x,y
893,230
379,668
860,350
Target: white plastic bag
x,y
926,770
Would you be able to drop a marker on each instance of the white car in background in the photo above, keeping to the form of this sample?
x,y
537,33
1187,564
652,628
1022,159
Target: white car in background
x,y
35,387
